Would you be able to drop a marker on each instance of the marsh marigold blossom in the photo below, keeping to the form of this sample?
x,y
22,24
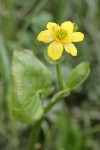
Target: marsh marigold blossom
x,y
61,37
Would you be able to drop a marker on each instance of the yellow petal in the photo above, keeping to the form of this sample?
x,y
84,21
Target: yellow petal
x,y
77,36
67,25
71,49
51,25
45,36
55,50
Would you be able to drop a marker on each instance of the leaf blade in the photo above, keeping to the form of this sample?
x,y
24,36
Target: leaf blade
x,y
30,78
78,75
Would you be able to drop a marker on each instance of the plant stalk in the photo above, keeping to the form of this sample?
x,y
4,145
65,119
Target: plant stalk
x,y
36,128
34,135
60,81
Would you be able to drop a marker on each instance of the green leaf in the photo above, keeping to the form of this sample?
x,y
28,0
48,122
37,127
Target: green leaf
x,y
30,78
78,75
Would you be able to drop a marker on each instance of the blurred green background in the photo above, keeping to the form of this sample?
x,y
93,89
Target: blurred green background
x,y
73,124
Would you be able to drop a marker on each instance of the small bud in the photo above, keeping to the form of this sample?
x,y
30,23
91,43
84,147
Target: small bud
x,y
75,28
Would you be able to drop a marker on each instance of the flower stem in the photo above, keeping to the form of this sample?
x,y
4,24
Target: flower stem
x,y
36,128
34,134
60,81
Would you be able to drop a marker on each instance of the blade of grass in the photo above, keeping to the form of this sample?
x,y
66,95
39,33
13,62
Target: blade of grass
x,y
5,72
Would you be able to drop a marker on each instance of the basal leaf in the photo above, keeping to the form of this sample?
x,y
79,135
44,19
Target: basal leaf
x,y
30,77
29,110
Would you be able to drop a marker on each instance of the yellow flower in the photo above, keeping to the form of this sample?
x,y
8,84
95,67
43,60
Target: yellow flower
x,y
60,37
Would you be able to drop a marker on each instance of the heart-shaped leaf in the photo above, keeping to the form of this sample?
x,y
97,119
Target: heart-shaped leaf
x,y
30,77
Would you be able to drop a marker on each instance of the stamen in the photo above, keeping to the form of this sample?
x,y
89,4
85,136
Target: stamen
x,y
61,33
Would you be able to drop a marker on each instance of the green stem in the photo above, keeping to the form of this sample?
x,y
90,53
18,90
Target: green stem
x,y
34,135
36,128
56,98
60,81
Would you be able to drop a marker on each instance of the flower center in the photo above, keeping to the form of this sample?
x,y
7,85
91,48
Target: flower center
x,y
61,34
